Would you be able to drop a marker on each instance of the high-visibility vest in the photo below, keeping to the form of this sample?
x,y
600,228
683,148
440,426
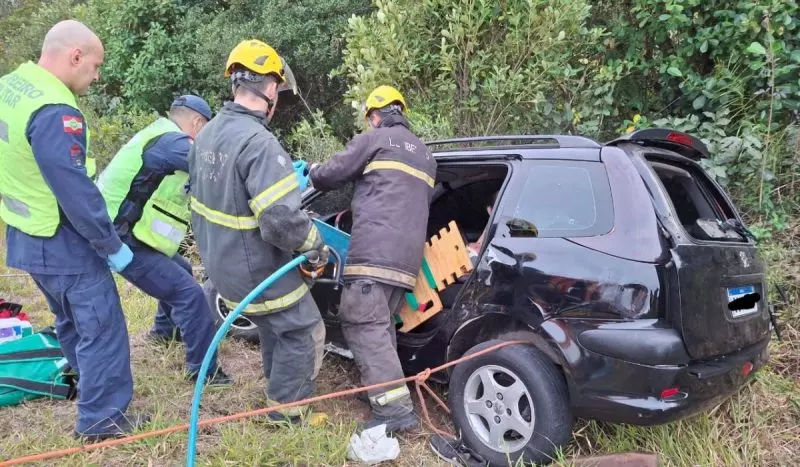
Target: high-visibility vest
x,y
165,215
28,203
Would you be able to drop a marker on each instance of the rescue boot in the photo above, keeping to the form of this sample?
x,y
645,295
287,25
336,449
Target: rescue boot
x,y
218,378
126,426
395,424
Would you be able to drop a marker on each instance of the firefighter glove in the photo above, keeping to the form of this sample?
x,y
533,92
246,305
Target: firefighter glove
x,y
301,170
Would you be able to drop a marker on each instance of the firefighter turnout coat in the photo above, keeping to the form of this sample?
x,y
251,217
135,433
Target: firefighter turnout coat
x,y
246,214
394,174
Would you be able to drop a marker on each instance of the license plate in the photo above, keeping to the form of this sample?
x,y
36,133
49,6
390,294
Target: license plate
x,y
739,292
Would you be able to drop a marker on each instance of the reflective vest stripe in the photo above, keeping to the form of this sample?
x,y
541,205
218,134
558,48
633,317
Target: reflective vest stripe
x,y
17,207
403,167
167,230
273,305
223,219
272,194
381,273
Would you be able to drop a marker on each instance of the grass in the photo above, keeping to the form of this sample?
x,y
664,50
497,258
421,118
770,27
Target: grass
x,y
758,426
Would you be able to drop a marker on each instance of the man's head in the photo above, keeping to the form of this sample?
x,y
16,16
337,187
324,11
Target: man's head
x,y
190,113
74,54
382,102
258,74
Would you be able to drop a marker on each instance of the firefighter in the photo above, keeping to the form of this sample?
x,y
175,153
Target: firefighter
x,y
144,187
247,221
394,177
57,226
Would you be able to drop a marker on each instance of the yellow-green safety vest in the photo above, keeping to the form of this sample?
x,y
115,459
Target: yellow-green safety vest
x,y
166,214
27,202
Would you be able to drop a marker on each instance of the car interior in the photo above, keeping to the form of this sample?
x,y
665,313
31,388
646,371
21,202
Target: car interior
x,y
695,200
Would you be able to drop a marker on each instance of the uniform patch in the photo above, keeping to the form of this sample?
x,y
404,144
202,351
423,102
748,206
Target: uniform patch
x,y
72,125
76,154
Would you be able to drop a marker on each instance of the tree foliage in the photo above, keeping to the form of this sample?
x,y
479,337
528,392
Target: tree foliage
x,y
726,71
490,67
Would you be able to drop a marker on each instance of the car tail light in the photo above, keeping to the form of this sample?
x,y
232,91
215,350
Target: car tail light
x,y
670,392
747,368
680,138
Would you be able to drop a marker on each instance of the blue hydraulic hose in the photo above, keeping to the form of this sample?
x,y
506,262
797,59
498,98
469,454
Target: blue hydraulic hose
x,y
201,377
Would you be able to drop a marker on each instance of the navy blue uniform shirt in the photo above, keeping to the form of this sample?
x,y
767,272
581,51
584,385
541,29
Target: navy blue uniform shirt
x,y
86,235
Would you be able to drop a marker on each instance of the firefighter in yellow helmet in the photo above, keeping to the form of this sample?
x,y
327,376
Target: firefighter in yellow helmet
x,y
247,221
394,177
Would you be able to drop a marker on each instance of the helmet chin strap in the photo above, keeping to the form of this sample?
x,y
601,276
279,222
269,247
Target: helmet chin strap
x,y
251,88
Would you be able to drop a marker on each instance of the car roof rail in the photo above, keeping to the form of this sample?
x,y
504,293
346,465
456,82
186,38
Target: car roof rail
x,y
515,142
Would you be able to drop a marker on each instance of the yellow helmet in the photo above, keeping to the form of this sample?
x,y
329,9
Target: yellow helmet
x,y
261,59
383,96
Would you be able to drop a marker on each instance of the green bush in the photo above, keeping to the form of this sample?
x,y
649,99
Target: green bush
x,y
312,140
110,132
530,66
23,26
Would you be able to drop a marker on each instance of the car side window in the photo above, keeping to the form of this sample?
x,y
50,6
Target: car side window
x,y
566,199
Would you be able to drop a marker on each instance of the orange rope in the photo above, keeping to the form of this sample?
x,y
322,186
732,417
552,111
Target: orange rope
x,y
419,379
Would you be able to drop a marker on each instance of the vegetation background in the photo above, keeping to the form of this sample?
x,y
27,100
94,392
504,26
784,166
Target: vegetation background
x,y
725,71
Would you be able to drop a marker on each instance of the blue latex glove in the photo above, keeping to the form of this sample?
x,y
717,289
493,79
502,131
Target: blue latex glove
x,y
118,261
301,170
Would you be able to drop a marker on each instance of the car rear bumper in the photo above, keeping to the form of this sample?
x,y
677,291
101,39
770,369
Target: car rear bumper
x,y
700,386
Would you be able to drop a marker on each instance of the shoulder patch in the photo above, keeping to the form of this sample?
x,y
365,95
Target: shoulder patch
x,y
73,124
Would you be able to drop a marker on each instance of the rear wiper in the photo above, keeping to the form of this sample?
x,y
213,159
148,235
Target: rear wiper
x,y
737,226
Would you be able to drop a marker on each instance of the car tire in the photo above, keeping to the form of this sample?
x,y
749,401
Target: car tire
x,y
242,328
535,424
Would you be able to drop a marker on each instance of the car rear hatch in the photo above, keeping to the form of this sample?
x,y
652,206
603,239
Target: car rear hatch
x,y
716,296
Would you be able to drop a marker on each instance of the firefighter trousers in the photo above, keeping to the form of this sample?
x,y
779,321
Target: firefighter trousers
x,y
366,312
289,352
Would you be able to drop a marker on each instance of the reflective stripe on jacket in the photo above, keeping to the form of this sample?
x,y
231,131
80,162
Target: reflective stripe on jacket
x,y
394,175
246,214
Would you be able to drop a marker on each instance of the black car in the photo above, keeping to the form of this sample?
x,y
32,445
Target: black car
x,y
623,266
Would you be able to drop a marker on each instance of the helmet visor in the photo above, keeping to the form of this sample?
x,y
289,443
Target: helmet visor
x,y
289,83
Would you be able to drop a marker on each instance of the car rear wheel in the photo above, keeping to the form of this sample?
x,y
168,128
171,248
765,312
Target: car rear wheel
x,y
510,404
242,328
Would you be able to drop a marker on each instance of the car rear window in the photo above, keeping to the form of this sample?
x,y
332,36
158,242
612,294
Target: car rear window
x,y
698,203
567,199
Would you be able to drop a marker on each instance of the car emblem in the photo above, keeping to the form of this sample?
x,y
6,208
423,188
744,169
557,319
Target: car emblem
x,y
745,260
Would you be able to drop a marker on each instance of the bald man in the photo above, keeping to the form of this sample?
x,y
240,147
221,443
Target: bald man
x,y
58,229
